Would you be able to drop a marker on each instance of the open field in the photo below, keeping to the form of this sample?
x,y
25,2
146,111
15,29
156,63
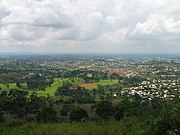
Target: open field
x,y
95,84
50,90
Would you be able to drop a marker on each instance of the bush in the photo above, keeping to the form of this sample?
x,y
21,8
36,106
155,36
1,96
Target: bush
x,y
46,114
65,110
78,115
118,115
103,109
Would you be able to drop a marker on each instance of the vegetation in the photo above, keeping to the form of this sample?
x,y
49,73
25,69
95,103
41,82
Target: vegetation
x,y
46,114
54,96
103,109
85,128
78,115
143,116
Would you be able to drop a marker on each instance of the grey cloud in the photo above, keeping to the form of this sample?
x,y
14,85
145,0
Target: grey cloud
x,y
47,19
115,25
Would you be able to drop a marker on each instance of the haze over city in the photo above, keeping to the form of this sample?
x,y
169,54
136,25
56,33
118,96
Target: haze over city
x,y
90,26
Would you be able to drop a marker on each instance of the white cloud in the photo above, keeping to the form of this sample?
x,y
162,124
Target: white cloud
x,y
82,24
110,20
157,27
157,24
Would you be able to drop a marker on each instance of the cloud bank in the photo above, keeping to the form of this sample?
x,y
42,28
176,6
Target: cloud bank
x,y
72,26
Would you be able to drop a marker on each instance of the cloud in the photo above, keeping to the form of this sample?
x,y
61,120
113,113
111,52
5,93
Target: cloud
x,y
157,24
90,25
158,28
3,12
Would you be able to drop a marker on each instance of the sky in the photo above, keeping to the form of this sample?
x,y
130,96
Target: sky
x,y
90,26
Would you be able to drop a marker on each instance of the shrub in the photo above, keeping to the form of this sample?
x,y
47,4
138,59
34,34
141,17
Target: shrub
x,y
65,110
78,115
46,114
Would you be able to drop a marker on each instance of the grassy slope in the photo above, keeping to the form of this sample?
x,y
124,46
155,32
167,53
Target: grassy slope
x,y
57,83
51,89
128,127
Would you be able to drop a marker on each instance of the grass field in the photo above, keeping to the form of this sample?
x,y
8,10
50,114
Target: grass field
x,y
95,84
127,127
50,90
89,75
13,86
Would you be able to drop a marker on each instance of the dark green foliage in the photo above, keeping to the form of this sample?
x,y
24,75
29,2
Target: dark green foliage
x,y
3,99
131,108
1,116
38,82
169,120
18,84
127,109
35,103
103,109
132,81
78,115
137,115
15,102
156,106
119,112
118,115
65,110
46,114
81,95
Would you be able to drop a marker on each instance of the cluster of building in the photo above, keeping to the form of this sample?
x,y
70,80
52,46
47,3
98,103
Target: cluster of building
x,y
155,89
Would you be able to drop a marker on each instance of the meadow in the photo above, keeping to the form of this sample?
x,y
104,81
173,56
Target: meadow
x,y
126,127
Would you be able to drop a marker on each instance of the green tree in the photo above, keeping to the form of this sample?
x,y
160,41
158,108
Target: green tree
x,y
15,102
3,99
18,84
119,112
103,109
35,103
46,114
168,121
65,110
78,115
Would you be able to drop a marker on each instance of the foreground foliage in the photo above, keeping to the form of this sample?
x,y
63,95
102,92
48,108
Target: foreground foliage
x,y
22,114
128,127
